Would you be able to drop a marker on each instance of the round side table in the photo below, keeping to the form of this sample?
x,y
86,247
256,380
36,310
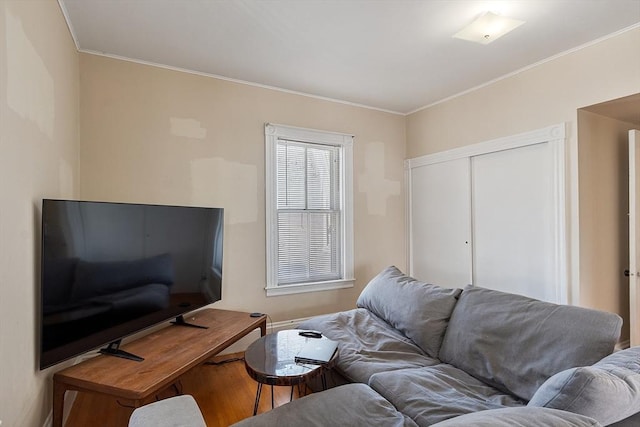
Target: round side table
x,y
271,360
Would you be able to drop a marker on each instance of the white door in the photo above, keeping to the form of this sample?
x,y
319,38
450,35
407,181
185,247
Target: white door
x,y
492,214
634,236
513,221
439,221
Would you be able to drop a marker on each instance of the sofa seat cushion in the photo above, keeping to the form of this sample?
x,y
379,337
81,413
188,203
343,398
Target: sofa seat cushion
x,y
608,391
520,417
419,310
367,344
436,393
347,405
515,343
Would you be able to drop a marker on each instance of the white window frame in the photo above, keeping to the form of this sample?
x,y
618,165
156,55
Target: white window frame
x,y
274,133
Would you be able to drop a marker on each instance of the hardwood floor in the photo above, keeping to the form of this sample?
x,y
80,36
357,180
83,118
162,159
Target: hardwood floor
x,y
224,392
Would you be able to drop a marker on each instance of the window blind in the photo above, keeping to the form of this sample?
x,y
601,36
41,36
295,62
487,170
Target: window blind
x,y
308,212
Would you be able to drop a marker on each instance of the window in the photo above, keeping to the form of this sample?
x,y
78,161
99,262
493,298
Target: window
x,y
309,210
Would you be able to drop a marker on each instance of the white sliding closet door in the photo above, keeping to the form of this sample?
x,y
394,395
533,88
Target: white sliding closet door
x,y
513,227
492,214
440,223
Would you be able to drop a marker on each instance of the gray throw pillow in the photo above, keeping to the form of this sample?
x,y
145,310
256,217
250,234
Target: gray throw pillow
x,y
419,310
608,391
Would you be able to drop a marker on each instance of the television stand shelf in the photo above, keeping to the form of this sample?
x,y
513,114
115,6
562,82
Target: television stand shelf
x,y
168,353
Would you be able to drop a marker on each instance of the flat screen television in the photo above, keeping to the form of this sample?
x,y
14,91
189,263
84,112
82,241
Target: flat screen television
x,y
112,269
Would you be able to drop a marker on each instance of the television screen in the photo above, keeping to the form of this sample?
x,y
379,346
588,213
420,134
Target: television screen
x,y
112,269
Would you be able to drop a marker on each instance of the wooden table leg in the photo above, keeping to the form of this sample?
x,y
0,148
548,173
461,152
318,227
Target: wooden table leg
x,y
263,327
58,403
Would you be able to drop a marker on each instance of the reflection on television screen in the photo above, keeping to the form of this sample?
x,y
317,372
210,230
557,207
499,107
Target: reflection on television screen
x,y
112,269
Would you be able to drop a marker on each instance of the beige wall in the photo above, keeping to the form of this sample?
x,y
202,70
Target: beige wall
x,y
547,94
153,135
39,144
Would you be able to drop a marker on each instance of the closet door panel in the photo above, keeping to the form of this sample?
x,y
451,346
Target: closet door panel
x,y
512,215
440,223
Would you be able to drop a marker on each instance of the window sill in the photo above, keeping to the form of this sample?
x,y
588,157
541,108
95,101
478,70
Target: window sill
x,y
309,287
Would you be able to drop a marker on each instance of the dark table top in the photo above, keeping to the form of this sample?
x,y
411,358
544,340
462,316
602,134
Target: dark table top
x,y
271,359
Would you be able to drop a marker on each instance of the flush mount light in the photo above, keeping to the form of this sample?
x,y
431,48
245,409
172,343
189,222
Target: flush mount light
x,y
487,28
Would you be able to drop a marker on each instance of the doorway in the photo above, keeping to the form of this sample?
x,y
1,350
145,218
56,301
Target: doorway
x,y
603,182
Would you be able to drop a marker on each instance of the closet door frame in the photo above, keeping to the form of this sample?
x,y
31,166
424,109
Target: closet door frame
x,y
555,136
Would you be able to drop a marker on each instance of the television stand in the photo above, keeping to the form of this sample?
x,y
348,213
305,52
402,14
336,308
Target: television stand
x,y
181,322
168,353
113,349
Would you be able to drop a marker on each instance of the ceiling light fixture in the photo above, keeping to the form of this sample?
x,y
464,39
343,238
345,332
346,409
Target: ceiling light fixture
x,y
488,27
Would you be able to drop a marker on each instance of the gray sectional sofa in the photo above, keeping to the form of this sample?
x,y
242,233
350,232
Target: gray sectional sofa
x,y
418,354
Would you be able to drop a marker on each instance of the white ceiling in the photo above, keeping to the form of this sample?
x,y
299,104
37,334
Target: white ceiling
x,y
393,55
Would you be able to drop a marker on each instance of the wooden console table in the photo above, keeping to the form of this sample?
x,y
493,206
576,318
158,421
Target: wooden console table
x,y
168,353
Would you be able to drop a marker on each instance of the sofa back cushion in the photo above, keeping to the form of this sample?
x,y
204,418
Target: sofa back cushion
x,y
419,310
608,391
515,343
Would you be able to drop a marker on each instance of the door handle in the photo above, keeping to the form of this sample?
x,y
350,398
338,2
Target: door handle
x,y
627,273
